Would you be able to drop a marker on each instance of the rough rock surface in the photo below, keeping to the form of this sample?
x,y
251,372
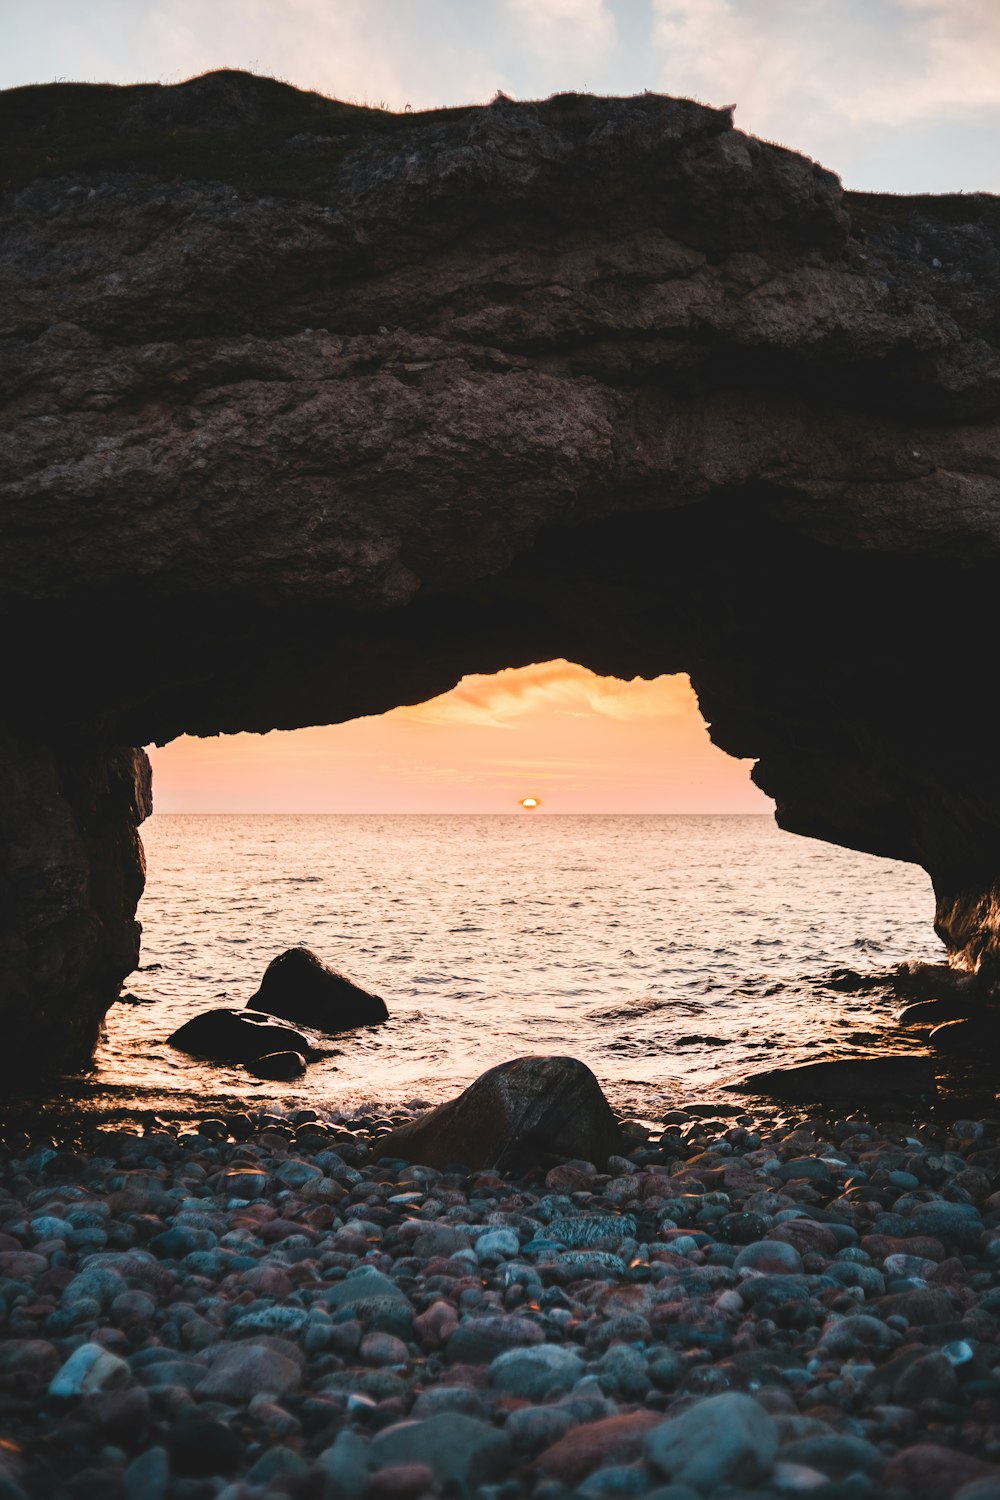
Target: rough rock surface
x,y
299,987
530,1110
71,874
310,409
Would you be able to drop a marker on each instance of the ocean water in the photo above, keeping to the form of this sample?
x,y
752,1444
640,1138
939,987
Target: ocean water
x,y
670,953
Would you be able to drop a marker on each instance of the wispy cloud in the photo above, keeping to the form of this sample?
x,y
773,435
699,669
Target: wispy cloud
x,y
831,64
560,687
568,31
361,50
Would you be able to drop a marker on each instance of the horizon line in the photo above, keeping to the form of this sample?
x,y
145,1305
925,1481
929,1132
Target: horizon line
x,y
485,812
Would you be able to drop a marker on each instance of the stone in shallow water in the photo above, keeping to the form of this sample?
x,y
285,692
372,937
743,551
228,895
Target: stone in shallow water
x,y
527,1112
298,986
228,1035
861,1080
281,1066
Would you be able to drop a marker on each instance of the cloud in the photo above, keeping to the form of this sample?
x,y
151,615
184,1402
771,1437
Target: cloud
x,y
560,687
358,50
795,68
563,31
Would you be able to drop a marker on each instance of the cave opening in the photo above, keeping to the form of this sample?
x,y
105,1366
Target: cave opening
x,y
554,734
810,667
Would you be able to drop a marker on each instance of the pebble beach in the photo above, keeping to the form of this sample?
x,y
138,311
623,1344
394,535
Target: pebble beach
x,y
744,1303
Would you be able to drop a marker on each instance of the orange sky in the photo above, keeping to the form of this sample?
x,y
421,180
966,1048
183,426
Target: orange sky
x,y
579,742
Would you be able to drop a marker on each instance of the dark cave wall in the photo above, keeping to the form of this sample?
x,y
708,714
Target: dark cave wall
x,y
71,874
296,432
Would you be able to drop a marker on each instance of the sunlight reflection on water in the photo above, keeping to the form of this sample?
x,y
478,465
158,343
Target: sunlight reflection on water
x,y
667,952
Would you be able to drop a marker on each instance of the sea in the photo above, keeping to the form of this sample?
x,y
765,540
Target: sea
x,y
671,954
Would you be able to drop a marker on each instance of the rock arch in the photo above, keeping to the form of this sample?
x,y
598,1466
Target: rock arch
x,y
312,409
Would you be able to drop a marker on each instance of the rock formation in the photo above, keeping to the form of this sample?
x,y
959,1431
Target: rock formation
x,y
527,1112
298,986
229,1035
310,409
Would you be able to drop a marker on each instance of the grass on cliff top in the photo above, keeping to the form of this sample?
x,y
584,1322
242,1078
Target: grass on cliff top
x,y
225,127
874,211
235,127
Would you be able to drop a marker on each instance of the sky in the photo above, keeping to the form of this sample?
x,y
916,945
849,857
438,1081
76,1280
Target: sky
x,y
894,95
555,732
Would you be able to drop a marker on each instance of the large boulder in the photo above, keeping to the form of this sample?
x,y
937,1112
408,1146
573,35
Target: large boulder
x,y
229,1035
531,1111
300,987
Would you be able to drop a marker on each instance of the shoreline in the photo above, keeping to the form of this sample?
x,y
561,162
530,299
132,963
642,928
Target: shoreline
x,y
255,1307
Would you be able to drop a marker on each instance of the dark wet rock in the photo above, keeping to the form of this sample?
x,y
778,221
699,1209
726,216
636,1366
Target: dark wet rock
x,y
480,1340
596,1444
201,1446
769,1258
935,1012
837,1455
524,1112
932,1472
931,1377
727,1439
344,1466
71,874
536,1371
858,1331
282,1066
229,1035
456,1448
868,1080
297,986
239,1372
969,1037
27,1365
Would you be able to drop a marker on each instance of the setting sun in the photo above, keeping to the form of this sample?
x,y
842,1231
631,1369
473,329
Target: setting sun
x,y
555,723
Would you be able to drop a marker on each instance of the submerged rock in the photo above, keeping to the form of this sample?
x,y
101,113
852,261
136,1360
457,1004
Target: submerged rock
x,y
971,1035
934,1012
227,1035
298,986
528,1111
861,1079
278,1065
